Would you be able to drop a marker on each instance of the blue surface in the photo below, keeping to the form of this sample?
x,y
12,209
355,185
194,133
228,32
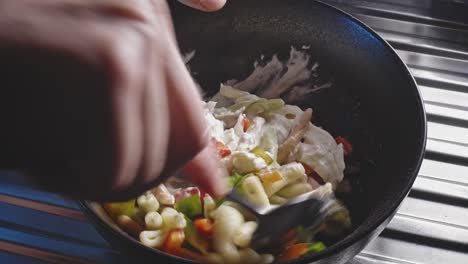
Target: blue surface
x,y
50,225
13,258
60,246
51,233
15,184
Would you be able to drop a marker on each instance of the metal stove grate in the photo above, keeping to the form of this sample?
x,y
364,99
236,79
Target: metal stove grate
x,y
432,39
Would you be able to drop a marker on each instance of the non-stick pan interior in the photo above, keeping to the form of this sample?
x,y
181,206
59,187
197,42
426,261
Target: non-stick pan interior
x,y
373,100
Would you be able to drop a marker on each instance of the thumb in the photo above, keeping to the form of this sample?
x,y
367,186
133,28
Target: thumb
x,y
205,5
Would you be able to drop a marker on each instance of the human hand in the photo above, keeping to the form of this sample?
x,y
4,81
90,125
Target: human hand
x,y
98,102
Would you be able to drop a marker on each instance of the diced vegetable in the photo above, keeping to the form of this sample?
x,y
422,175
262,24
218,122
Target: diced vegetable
x,y
205,227
174,241
269,176
264,105
292,234
259,152
195,239
293,252
123,208
234,179
347,146
223,151
299,250
313,174
231,92
190,206
273,153
219,201
316,247
246,123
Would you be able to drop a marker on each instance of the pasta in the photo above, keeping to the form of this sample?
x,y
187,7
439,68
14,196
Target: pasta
x,y
148,202
153,220
273,153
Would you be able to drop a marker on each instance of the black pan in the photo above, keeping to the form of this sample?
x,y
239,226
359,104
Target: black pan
x,y
374,100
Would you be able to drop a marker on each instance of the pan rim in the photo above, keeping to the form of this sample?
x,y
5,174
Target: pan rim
x,y
362,232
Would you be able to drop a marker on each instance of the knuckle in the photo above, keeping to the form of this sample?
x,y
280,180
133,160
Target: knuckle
x,y
138,10
121,57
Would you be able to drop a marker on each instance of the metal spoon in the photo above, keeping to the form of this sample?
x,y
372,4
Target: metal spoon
x,y
307,210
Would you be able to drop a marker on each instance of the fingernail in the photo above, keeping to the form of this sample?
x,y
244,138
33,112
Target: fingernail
x,y
205,5
212,5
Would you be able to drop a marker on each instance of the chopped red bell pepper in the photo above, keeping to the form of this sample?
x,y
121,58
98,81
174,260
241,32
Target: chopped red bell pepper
x,y
293,252
174,241
312,173
223,151
347,146
205,227
290,235
299,250
246,122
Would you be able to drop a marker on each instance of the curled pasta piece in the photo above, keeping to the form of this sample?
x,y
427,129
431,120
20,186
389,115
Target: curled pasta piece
x,y
254,191
163,195
276,199
246,162
173,219
243,235
294,190
245,213
154,239
148,202
227,220
209,205
153,220
291,172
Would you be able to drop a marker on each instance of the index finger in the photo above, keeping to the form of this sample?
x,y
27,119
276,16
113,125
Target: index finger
x,y
206,172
